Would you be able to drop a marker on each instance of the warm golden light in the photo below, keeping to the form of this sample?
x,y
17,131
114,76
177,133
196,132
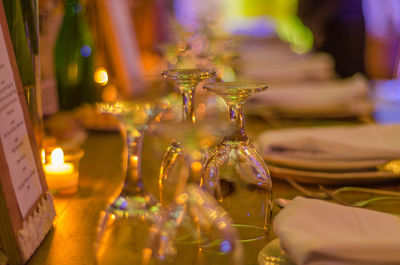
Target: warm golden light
x,y
109,93
43,154
205,142
134,160
222,225
61,176
196,166
201,109
135,133
57,156
101,76
182,198
147,253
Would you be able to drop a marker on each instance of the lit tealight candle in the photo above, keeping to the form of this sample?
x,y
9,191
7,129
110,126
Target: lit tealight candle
x,y
60,175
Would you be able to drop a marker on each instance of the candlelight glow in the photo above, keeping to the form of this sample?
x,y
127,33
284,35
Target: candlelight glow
x,y
61,176
196,166
57,156
109,93
101,76
43,153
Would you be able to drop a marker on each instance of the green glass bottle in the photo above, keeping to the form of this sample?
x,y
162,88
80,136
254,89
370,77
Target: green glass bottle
x,y
23,24
74,57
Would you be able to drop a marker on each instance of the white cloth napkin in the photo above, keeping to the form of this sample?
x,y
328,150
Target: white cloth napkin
x,y
277,63
316,232
336,98
331,148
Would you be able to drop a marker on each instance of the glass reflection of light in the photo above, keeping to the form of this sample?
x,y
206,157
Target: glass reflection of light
x,y
101,76
85,51
225,246
196,166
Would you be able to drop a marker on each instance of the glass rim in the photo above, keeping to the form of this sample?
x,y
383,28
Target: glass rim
x,y
189,73
236,85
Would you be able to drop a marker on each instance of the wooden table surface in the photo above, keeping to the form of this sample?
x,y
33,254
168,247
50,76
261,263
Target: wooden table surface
x,y
72,238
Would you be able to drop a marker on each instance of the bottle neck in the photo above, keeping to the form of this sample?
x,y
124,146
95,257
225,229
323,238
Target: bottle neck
x,y
74,7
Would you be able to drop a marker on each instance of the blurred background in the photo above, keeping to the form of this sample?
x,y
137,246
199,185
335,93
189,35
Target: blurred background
x,y
104,50
136,38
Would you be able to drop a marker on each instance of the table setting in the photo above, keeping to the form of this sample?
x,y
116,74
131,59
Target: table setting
x,y
203,222
219,149
314,99
334,154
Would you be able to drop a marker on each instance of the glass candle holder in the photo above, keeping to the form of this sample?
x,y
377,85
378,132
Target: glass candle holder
x,y
62,171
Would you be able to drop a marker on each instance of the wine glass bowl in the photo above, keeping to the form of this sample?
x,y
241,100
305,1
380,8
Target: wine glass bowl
x,y
187,80
196,230
235,174
124,225
188,149
188,75
235,92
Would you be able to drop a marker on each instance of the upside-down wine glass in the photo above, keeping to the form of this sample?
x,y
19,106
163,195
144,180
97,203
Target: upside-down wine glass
x,y
196,230
236,175
187,81
123,228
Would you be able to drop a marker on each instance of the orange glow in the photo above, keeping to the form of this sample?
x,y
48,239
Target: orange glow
x,y
43,153
222,225
134,160
101,76
196,166
109,94
181,199
147,252
196,155
205,142
201,109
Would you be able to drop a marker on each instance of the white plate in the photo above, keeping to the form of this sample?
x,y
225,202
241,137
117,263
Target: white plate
x,y
283,160
332,149
359,177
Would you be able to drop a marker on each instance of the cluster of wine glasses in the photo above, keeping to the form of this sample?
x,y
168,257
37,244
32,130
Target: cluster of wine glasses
x,y
218,212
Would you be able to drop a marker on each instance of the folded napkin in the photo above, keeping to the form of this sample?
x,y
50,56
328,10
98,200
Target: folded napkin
x,y
316,232
337,148
277,63
331,98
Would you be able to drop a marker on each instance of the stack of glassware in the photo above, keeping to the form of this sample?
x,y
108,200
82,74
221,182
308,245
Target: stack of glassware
x,y
224,218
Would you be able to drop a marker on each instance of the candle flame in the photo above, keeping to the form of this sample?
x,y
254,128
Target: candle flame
x,y
57,156
43,154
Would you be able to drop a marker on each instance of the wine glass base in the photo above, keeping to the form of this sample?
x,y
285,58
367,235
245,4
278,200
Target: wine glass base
x,y
140,205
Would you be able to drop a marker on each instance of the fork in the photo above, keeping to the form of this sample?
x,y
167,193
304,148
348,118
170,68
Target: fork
x,y
327,194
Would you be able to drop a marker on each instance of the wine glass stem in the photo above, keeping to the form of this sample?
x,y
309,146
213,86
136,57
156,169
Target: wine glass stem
x,y
133,180
236,132
188,104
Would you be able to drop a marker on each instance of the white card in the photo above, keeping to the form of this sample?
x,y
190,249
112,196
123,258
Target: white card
x,y
14,137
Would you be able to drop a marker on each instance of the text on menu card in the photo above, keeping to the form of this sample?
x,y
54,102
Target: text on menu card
x,y
14,138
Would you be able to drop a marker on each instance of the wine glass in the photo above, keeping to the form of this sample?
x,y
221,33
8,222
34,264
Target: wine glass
x,y
187,81
196,230
236,175
195,141
123,228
